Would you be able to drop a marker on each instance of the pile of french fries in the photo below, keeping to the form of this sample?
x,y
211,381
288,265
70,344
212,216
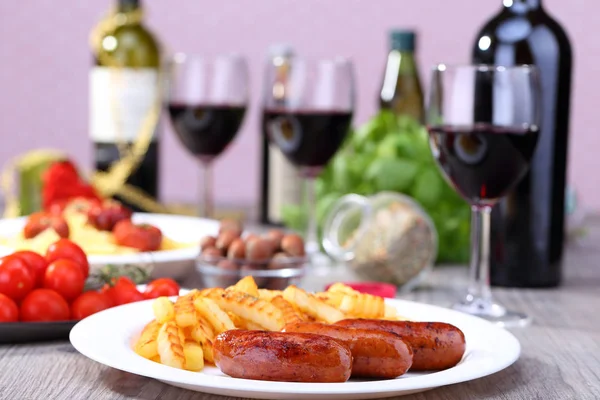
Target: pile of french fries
x,y
182,333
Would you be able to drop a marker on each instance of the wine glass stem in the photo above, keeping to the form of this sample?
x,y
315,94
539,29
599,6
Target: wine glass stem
x,y
479,280
311,238
207,192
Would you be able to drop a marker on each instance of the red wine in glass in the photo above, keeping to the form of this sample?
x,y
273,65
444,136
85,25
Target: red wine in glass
x,y
206,129
308,138
483,162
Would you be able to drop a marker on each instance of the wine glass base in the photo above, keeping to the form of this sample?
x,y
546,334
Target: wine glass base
x,y
492,312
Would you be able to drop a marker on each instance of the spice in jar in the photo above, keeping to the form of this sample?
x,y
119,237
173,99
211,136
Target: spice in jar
x,y
387,237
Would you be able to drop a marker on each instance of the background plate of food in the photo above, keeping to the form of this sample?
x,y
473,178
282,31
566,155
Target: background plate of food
x,y
166,244
248,342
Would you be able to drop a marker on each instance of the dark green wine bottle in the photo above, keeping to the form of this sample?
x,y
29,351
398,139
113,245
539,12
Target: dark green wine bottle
x,y
401,89
528,226
123,88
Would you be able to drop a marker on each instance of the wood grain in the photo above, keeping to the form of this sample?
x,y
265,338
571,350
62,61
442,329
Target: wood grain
x,y
560,358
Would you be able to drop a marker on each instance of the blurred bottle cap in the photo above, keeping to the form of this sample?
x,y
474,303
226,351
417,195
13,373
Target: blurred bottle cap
x,y
403,40
280,50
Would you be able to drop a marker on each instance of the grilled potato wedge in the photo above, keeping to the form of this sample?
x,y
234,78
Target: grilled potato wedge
x,y
194,356
163,309
251,308
312,306
147,346
218,319
170,345
185,312
245,285
290,315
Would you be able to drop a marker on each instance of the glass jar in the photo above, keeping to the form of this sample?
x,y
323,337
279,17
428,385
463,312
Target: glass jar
x,y
387,237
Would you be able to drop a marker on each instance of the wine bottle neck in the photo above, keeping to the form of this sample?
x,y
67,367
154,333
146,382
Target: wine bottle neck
x,y
529,5
128,5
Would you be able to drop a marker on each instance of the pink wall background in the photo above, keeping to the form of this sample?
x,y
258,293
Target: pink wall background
x,y
45,61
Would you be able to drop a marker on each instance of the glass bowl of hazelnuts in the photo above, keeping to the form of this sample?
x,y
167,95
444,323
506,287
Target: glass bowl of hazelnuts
x,y
275,259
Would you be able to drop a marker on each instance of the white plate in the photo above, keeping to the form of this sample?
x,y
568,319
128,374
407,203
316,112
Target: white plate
x,y
171,263
106,337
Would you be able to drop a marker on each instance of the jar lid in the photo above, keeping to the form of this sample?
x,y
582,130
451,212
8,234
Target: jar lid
x,y
375,288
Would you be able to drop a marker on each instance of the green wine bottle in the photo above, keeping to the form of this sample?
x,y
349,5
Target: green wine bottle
x,y
124,85
401,89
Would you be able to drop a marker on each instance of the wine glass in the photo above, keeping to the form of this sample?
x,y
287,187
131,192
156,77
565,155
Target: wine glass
x,y
483,130
207,99
307,112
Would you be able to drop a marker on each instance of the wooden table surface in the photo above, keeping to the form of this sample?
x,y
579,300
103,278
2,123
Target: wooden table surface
x,y
560,357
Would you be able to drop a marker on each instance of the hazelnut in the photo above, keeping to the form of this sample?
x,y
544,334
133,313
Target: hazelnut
x,y
251,237
227,265
277,283
211,252
293,245
207,241
279,260
224,240
237,249
275,235
231,225
258,249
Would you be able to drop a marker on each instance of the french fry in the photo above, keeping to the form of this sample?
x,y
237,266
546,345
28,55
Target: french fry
x,y
218,319
206,327
146,346
237,320
355,303
155,359
312,306
268,295
363,306
211,292
197,334
163,309
390,312
334,299
252,326
341,288
245,285
242,323
170,345
251,308
194,356
302,314
185,313
288,311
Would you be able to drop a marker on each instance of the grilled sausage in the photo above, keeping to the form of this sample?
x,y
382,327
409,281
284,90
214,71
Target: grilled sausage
x,y
376,354
282,356
435,345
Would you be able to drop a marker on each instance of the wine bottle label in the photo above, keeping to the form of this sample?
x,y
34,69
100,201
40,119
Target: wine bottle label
x,y
285,185
120,100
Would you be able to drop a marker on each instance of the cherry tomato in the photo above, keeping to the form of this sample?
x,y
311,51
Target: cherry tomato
x,y
36,263
44,305
122,291
9,312
143,237
105,216
40,221
89,303
64,248
124,295
161,287
16,280
107,291
64,276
